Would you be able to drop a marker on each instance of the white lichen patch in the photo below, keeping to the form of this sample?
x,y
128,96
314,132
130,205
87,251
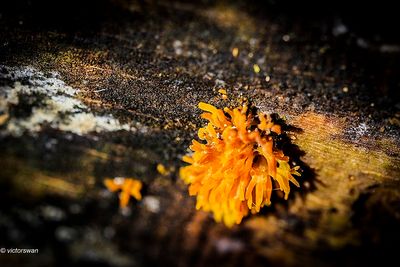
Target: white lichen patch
x,y
53,104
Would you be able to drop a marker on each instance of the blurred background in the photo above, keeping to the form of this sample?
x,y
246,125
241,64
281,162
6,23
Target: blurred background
x,y
91,90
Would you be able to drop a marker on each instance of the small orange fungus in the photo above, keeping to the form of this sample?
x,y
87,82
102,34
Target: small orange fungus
x,y
128,186
236,167
224,93
162,169
235,52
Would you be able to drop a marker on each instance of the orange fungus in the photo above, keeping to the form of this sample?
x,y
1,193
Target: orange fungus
x,y
128,186
236,166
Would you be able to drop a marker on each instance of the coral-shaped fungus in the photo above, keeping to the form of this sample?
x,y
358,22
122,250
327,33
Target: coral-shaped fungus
x,y
129,187
234,170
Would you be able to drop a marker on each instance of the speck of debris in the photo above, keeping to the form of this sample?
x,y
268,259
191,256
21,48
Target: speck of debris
x,y
286,38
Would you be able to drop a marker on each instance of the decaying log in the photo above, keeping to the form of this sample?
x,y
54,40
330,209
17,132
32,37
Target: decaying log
x,y
113,92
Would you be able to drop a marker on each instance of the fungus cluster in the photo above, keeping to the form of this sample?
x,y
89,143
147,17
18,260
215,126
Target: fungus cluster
x,y
236,166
